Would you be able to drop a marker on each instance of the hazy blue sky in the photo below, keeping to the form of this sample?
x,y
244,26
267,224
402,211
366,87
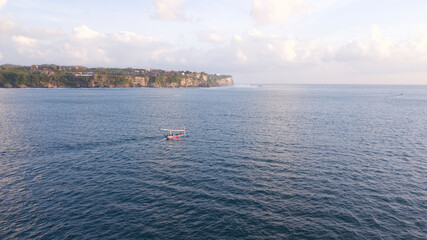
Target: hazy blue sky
x,y
257,41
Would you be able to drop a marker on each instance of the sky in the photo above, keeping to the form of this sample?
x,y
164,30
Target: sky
x,y
255,41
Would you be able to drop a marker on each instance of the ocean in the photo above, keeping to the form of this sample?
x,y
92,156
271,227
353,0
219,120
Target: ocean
x,y
261,162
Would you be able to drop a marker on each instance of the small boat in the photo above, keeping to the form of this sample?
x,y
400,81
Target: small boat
x,y
174,134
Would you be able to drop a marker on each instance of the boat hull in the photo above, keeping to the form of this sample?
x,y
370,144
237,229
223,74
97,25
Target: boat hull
x,y
177,136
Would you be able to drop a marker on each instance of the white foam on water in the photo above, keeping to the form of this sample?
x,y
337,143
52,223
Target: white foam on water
x,y
247,86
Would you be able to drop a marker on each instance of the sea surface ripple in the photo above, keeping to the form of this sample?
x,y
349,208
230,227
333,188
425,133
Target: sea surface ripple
x,y
261,162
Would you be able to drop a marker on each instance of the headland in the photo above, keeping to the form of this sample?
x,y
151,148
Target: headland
x,y
55,76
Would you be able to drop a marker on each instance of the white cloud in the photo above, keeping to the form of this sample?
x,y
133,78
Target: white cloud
x,y
2,3
84,32
211,37
276,11
24,41
252,52
375,58
237,38
268,49
27,47
83,46
419,41
376,47
6,26
288,50
168,9
73,53
41,33
130,37
352,50
1,56
379,45
241,57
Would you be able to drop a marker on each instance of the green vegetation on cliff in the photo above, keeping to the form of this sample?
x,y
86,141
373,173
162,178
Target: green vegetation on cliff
x,y
54,76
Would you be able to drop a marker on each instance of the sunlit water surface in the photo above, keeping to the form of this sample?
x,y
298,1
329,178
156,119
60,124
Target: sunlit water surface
x,y
269,162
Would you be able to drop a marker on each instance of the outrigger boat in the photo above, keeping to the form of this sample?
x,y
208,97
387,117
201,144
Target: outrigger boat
x,y
174,134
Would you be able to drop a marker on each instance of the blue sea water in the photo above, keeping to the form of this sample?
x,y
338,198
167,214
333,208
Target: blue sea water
x,y
263,162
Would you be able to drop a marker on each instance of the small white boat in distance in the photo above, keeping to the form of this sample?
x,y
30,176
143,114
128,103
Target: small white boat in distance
x,y
175,134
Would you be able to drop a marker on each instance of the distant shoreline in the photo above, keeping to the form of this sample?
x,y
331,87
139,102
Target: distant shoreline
x,y
55,76
113,87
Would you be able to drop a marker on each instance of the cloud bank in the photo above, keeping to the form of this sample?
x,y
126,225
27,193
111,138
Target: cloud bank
x,y
253,56
2,3
283,55
277,11
168,9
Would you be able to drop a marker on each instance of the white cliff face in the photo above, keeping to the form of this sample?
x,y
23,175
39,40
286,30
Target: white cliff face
x,y
189,82
140,81
227,81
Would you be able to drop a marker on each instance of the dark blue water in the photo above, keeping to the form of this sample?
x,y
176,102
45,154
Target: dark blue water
x,y
272,162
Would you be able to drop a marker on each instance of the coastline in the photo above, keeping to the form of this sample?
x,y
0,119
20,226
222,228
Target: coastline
x,y
55,76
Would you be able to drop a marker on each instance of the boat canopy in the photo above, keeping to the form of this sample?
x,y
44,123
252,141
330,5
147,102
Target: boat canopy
x,y
172,130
